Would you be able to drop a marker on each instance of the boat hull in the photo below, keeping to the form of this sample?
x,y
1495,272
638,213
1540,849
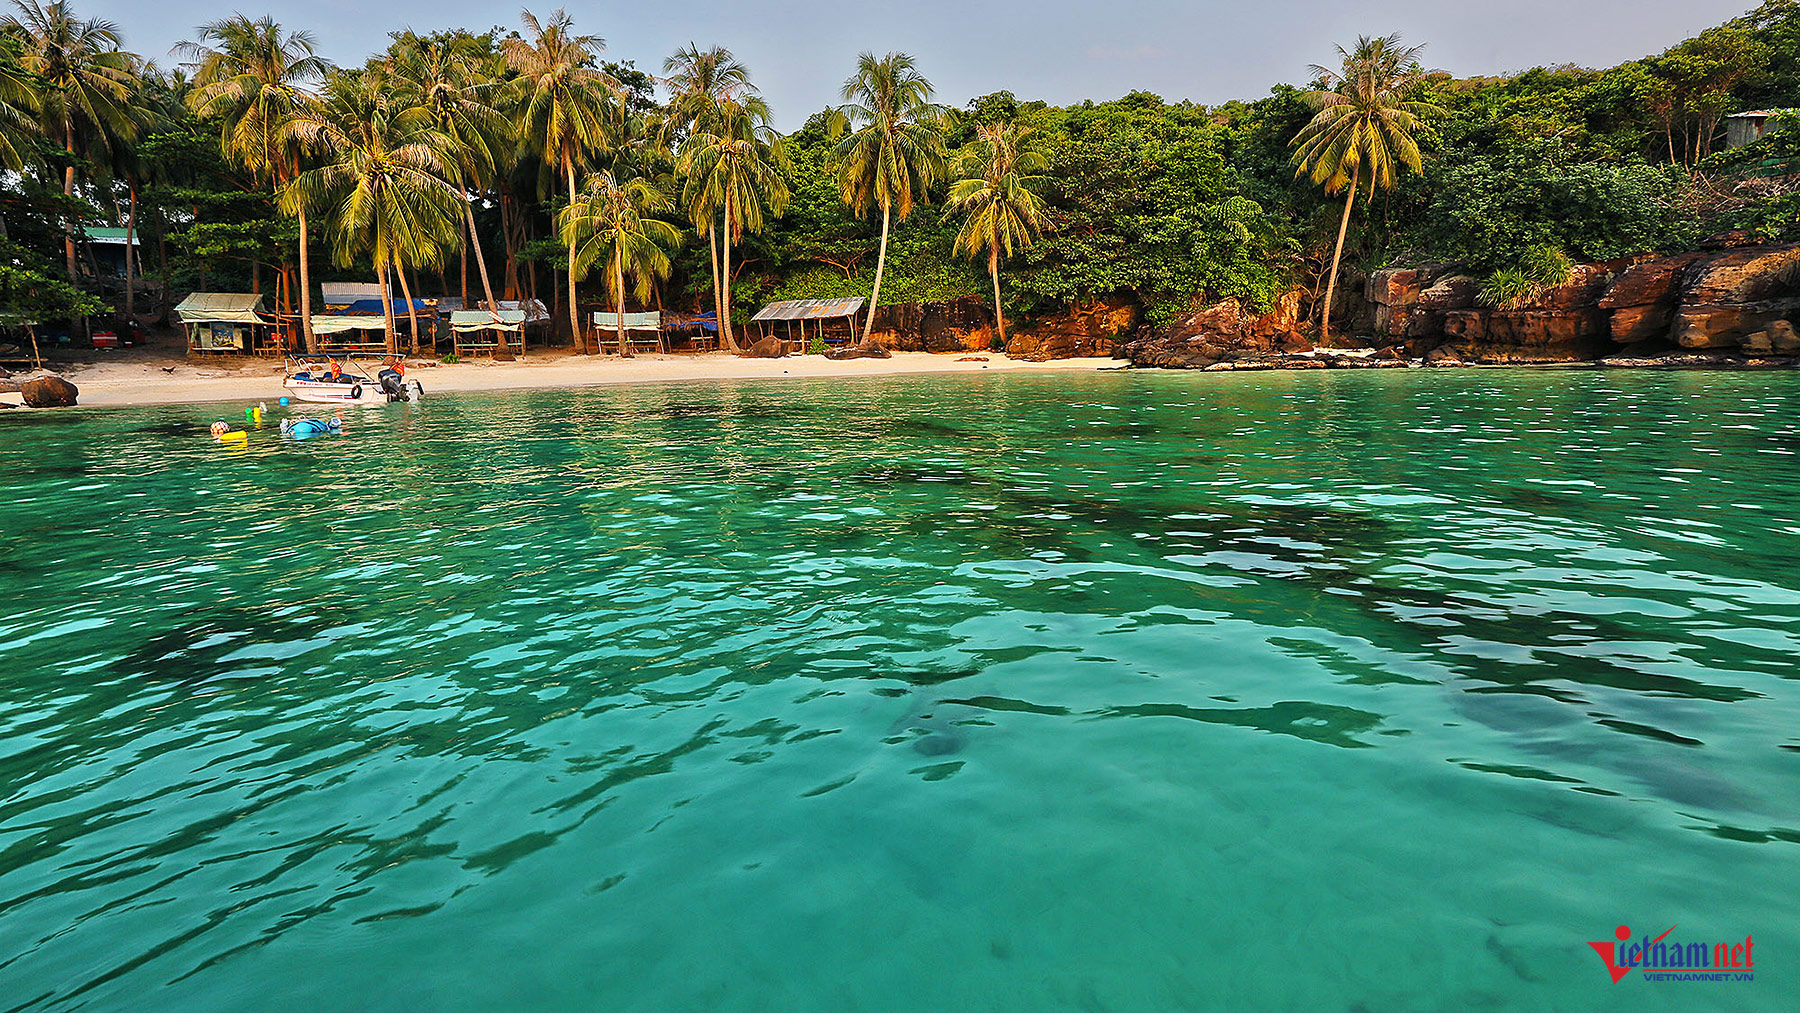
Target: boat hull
x,y
360,393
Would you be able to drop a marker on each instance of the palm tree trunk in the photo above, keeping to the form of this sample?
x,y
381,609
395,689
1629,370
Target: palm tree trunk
x,y
1331,281
387,311
712,241
312,340
130,234
725,280
69,192
412,314
574,314
487,288
999,314
162,265
880,265
619,280
506,237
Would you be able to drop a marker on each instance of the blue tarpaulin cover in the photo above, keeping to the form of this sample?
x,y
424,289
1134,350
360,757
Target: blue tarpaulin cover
x,y
374,306
708,321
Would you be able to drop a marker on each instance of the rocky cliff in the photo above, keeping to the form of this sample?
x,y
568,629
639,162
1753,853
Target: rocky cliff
x,y
967,325
1733,301
951,325
1723,305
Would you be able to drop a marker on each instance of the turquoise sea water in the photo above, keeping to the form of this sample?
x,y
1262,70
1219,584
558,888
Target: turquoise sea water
x,y
1353,691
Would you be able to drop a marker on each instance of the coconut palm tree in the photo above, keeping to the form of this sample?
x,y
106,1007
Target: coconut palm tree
x,y
565,104
445,77
734,164
386,181
86,82
19,106
1003,212
615,223
895,152
703,84
1365,126
254,78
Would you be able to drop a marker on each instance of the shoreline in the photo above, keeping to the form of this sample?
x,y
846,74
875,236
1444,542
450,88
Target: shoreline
x,y
144,380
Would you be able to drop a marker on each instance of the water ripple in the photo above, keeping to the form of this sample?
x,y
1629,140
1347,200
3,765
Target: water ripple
x,y
996,692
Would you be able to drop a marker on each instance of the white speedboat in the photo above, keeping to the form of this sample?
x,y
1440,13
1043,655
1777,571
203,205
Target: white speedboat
x,y
311,378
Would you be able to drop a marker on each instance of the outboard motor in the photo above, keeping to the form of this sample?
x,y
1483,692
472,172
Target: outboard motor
x,y
393,384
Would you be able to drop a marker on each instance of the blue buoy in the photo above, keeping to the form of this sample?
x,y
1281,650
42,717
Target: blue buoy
x,y
284,402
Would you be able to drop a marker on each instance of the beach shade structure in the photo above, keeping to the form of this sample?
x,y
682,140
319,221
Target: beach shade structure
x,y
700,331
479,330
606,325
831,320
224,321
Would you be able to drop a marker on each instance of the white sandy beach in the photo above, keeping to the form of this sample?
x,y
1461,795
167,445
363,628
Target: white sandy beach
x,y
139,380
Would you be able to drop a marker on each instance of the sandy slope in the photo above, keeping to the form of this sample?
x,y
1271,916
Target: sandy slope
x,y
141,380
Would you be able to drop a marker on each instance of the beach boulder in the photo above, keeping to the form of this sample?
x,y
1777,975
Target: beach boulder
x,y
49,391
766,348
865,351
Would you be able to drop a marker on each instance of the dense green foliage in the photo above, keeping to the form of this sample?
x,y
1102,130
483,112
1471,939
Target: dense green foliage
x,y
1491,210
1167,204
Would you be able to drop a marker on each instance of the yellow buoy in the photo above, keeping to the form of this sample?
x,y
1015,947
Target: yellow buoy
x,y
239,436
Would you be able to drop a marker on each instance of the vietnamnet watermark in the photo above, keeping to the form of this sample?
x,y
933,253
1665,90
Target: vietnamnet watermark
x,y
1661,960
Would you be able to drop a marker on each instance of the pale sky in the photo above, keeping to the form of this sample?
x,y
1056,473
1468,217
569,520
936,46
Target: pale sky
x,y
1061,51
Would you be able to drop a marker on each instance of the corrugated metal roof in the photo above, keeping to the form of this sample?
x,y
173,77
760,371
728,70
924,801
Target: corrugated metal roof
x,y
343,293
810,309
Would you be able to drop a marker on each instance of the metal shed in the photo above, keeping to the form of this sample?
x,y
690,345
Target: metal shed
x,y
788,320
1749,127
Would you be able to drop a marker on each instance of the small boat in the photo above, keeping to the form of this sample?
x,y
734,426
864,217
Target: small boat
x,y
310,378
